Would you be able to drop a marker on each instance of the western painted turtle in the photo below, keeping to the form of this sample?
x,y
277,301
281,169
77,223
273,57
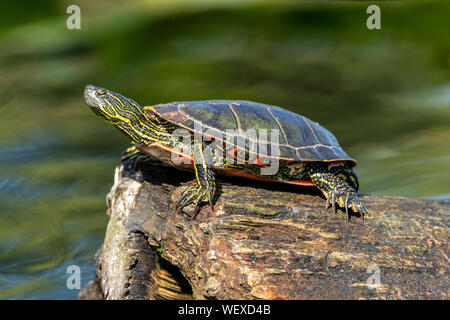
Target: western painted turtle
x,y
306,153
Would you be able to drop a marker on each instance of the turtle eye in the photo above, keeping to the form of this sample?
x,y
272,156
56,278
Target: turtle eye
x,y
101,93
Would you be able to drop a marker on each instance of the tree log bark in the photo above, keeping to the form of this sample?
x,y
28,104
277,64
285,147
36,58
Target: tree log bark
x,y
265,241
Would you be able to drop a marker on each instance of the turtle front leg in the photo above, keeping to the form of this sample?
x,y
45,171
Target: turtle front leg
x,y
206,186
336,190
132,156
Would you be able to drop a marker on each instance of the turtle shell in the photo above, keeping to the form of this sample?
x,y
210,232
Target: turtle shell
x,y
300,139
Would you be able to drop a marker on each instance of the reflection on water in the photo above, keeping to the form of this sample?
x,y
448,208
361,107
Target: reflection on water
x,y
385,95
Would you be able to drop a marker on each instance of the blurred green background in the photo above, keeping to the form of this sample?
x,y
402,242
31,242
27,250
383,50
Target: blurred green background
x,y
384,93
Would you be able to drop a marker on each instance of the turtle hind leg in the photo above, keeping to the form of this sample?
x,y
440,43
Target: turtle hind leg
x,y
336,190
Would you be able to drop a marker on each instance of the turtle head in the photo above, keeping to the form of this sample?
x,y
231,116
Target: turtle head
x,y
124,113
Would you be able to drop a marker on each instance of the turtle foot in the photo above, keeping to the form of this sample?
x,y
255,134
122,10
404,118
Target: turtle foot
x,y
195,194
346,198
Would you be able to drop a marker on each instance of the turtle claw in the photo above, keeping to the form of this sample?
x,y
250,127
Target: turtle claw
x,y
333,203
327,204
193,194
346,199
210,203
196,206
186,198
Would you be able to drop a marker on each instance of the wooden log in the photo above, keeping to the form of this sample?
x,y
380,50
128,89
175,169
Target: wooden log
x,y
265,241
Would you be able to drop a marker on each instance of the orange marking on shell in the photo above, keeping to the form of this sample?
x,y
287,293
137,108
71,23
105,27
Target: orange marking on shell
x,y
242,174
158,145
233,153
301,182
258,162
246,175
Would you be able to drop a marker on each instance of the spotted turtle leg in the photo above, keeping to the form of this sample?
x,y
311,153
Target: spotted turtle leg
x,y
336,190
205,189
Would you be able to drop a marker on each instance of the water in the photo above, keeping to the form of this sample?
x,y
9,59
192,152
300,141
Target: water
x,y
385,95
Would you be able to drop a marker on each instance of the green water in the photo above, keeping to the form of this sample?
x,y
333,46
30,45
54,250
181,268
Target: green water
x,y
384,93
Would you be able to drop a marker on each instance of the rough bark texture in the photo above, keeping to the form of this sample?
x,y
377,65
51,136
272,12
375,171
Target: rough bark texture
x,y
265,241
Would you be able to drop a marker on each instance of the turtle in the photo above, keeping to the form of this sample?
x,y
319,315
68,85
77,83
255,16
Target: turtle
x,y
203,136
